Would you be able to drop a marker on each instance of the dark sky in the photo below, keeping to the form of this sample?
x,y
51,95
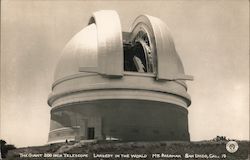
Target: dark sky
x,y
211,37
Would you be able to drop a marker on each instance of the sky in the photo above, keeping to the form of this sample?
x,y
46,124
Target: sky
x,y
211,37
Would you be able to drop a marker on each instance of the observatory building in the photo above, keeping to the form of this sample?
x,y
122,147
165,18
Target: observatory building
x,y
115,85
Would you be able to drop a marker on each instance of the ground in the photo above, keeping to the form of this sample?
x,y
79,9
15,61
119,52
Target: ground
x,y
103,150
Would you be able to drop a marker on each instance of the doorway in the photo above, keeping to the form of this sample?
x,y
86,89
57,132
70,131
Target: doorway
x,y
91,133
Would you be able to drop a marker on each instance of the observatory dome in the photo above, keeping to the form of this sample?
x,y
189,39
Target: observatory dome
x,y
112,84
81,49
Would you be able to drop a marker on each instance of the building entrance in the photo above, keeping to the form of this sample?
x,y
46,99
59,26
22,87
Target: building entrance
x,y
91,133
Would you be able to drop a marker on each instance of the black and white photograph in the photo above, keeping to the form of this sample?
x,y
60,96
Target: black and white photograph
x,y
124,79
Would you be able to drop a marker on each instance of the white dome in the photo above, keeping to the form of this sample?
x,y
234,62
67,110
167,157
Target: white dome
x,y
81,51
94,59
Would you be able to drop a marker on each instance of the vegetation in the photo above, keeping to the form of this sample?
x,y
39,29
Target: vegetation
x,y
216,147
5,148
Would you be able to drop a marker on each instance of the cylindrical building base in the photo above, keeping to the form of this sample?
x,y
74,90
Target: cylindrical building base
x,y
126,120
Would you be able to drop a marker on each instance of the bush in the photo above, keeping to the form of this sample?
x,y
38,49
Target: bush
x,y
5,148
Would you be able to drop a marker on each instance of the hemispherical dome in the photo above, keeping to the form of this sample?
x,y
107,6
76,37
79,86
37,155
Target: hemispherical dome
x,y
99,48
80,51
